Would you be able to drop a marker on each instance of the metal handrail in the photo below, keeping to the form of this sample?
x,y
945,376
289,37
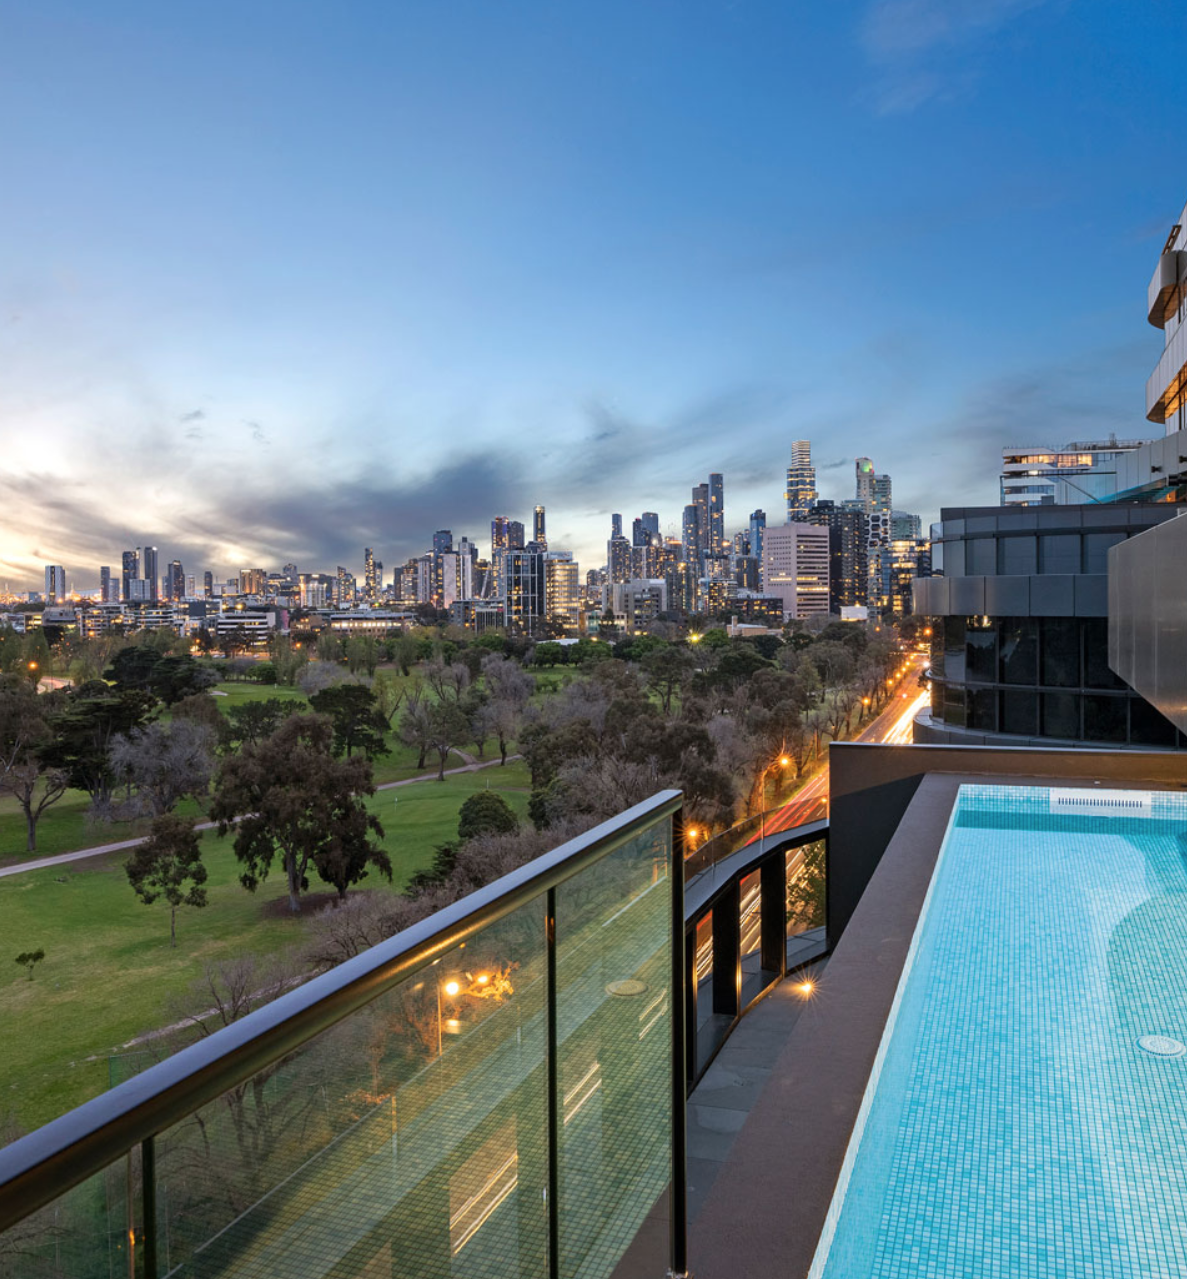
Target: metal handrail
x,y
42,1166
713,879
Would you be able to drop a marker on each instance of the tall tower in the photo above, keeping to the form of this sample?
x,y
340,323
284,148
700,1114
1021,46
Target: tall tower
x,y
715,544
801,482
130,572
538,534
864,470
148,570
758,525
368,573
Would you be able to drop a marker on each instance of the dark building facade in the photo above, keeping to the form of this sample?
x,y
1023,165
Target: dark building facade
x,y
1018,608
848,575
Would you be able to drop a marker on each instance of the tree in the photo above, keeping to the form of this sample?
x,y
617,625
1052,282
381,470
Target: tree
x,y
164,762
82,732
486,812
414,728
389,696
548,654
169,864
447,727
24,772
669,668
250,722
357,720
29,959
169,677
284,796
288,658
362,654
345,857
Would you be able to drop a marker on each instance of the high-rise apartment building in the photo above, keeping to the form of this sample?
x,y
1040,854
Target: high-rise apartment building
x,y
562,588
801,482
1166,309
539,533
370,583
109,586
175,581
691,535
526,597
716,539
848,578
254,581
904,525
1083,471
618,553
148,571
443,540
130,573
795,568
208,584
758,523
55,584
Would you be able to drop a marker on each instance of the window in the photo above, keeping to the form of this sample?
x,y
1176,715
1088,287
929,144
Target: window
x,y
954,644
1019,651
1097,672
983,709
1096,550
1061,715
1105,719
1060,553
1020,713
982,654
954,711
1060,652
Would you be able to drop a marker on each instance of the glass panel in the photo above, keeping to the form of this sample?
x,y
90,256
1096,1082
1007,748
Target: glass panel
x,y
614,1056
84,1234
983,709
954,707
982,654
704,962
1148,726
1019,651
1105,719
1061,652
751,913
1061,715
1097,672
1020,713
954,557
1096,550
1017,555
981,557
955,629
1059,553
409,1139
806,887
935,657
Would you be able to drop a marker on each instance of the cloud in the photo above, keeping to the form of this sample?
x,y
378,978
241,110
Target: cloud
x,y
914,45
196,415
258,435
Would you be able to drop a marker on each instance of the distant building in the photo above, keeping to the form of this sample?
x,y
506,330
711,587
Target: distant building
x,y
148,571
691,534
847,551
370,581
55,584
562,588
1081,471
526,596
539,534
905,525
758,522
716,541
175,581
800,492
109,587
795,568
130,573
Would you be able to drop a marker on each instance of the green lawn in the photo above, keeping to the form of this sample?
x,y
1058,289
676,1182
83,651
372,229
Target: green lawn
x,y
109,972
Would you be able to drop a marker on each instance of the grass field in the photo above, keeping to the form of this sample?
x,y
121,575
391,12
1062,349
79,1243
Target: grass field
x,y
109,972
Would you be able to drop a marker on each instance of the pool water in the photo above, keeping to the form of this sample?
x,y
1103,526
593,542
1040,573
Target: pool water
x,y
1013,1124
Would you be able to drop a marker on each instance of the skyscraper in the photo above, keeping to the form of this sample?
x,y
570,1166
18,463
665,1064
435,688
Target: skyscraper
x,y
442,540
525,591
148,571
208,584
538,534
108,587
700,499
514,535
715,543
130,572
691,535
370,586
758,524
801,482
848,580
618,553
795,568
615,525
175,581
55,583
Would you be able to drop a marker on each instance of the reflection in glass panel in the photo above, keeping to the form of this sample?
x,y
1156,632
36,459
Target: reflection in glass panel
x,y
983,709
613,938
704,963
1061,715
1060,652
750,898
954,645
409,1139
1097,672
1148,726
982,654
954,705
1105,718
87,1233
1019,650
806,887
1020,712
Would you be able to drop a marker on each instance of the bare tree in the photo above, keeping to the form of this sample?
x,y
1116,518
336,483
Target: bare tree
x,y
163,763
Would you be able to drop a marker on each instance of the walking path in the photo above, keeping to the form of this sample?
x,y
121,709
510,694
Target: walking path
x,y
62,858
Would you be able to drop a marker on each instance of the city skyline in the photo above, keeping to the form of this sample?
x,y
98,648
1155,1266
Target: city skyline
x,y
412,268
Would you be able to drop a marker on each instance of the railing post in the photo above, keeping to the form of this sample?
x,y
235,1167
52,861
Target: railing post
x,y
148,1191
554,1152
678,1196
773,899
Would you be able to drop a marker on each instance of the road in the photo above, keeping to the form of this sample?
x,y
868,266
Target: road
x,y
893,726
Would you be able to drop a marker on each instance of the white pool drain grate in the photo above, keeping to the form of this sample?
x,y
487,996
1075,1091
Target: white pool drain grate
x,y
1162,1046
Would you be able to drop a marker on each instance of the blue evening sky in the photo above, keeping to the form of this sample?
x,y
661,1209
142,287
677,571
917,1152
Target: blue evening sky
x,y
281,280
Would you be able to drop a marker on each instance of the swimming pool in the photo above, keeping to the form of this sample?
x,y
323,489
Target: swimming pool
x,y
1015,1123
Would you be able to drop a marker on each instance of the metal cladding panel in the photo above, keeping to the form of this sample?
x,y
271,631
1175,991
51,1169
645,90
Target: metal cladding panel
x,y
1091,594
966,596
1148,616
1008,596
1053,595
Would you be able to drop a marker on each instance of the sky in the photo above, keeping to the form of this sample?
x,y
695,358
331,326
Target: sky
x,y
283,280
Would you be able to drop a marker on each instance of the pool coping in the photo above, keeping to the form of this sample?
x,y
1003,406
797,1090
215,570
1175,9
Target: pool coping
x,y
769,1204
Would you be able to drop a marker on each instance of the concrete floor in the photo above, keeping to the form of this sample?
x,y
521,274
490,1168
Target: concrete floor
x,y
719,1104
